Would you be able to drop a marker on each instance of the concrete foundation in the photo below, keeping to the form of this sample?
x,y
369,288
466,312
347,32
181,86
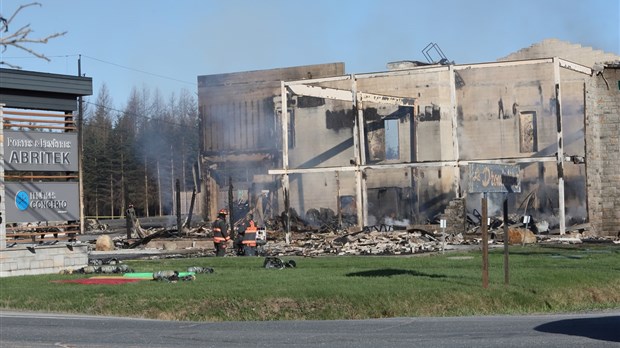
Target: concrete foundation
x,y
34,260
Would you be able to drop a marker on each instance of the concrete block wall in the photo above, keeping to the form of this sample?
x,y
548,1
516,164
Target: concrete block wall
x,y
484,132
456,217
20,260
603,152
556,48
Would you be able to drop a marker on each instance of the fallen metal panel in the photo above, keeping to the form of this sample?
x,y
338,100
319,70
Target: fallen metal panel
x,y
412,71
319,80
574,67
512,160
504,63
311,170
411,165
384,99
321,92
364,167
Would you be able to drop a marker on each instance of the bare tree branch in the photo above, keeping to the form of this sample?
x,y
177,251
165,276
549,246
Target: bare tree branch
x,y
20,37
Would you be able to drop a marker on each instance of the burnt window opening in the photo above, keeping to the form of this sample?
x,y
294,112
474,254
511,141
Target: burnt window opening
x,y
528,132
431,113
391,139
340,119
291,129
309,102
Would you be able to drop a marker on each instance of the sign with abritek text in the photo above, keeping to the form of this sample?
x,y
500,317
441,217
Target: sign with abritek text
x,y
40,151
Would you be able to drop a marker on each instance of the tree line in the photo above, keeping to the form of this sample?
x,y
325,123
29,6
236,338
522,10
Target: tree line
x,y
134,155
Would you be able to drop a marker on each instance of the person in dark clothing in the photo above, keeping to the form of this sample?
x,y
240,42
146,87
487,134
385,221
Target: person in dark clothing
x,y
220,233
238,244
245,241
249,237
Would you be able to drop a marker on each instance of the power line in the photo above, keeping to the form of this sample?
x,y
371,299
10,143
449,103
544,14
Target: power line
x,y
133,114
33,57
107,62
140,71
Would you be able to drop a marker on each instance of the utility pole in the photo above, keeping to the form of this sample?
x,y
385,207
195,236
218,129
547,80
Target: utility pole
x,y
111,197
172,179
81,150
146,189
159,187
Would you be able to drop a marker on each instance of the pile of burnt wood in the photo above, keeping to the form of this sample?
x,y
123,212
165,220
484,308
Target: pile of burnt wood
x,y
316,220
367,242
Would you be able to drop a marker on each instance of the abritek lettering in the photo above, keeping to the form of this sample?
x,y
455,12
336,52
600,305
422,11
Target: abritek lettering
x,y
39,157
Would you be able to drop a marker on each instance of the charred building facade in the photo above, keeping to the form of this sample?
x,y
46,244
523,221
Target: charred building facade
x,y
394,147
239,136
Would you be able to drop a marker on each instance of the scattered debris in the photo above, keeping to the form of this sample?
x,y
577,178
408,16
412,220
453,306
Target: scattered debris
x,y
272,262
166,275
197,269
99,269
365,242
94,225
322,232
172,276
105,261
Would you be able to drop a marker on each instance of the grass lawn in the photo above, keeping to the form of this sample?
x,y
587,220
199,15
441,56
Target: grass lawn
x,y
542,280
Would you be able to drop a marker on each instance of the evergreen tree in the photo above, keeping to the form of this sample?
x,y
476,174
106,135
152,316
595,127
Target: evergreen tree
x,y
135,156
96,156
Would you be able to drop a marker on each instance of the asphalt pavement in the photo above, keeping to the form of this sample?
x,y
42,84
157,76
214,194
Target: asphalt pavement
x,y
601,329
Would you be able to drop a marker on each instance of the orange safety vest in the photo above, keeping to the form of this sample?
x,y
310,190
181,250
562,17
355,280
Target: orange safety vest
x,y
249,238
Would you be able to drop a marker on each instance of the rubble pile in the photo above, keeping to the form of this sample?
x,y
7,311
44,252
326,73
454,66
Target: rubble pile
x,y
322,232
316,220
362,243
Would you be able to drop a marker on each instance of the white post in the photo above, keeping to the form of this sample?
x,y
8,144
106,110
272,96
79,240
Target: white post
x,y
455,137
560,142
2,205
359,155
285,178
284,125
443,224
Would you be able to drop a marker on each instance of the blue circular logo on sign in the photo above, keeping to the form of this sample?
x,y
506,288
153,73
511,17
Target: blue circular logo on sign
x,y
21,200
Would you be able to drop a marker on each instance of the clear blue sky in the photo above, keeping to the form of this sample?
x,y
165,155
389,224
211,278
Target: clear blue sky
x,y
166,44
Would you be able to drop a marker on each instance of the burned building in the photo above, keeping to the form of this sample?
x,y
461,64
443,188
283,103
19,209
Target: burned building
x,y
394,147
239,135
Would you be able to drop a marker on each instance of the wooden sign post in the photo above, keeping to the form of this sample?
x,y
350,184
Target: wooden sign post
x,y
486,178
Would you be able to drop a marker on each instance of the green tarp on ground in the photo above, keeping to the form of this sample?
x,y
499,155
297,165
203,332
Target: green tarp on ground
x,y
150,275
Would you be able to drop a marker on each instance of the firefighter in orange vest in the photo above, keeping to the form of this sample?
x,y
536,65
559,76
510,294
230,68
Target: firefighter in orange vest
x,y
249,237
220,233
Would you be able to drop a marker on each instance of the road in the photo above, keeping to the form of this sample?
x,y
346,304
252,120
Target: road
x,y
55,330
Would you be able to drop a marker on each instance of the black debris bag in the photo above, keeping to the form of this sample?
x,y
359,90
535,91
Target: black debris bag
x,y
198,269
272,262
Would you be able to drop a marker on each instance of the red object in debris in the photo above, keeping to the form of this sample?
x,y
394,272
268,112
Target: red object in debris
x,y
99,281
